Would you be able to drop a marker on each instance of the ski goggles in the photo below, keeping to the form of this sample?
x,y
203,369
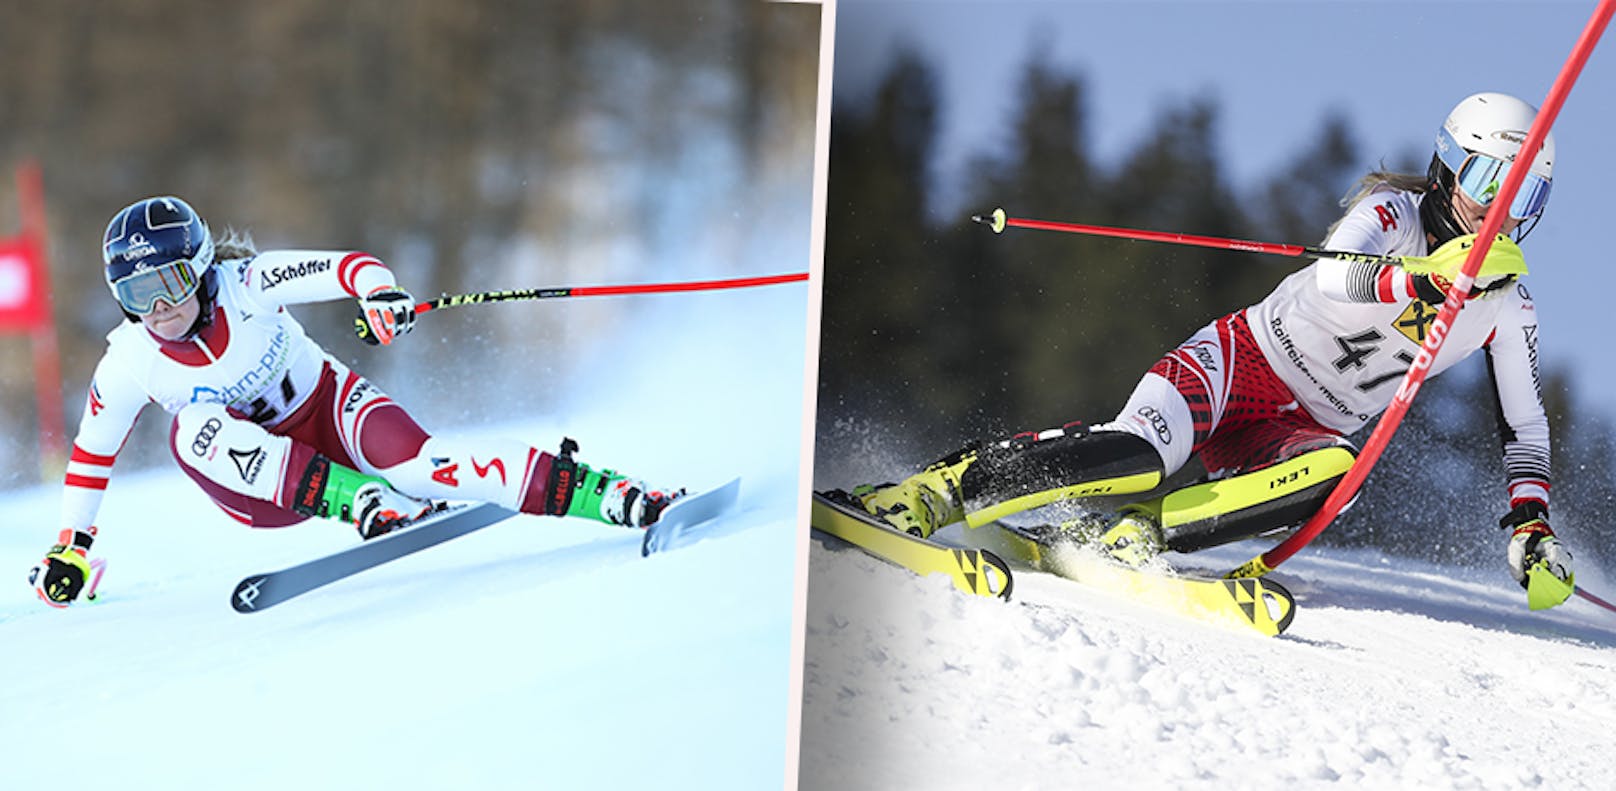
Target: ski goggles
x,y
173,282
1480,177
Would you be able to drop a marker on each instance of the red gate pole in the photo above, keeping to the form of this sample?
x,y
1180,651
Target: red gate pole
x,y
46,353
1344,491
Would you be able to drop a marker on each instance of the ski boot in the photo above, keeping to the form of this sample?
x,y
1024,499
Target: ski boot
x,y
923,502
1085,530
604,495
1134,538
332,491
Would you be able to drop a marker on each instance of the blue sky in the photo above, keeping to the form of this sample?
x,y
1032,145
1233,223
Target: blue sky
x,y
1394,68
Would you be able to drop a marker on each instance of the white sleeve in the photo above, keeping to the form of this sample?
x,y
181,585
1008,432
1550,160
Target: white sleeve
x,y
278,278
114,401
1374,225
1522,422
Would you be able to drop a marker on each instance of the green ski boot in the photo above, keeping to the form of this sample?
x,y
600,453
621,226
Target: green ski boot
x,y
332,491
603,495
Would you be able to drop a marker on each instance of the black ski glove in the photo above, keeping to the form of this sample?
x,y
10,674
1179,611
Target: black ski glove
x,y
1531,542
1433,289
386,314
60,577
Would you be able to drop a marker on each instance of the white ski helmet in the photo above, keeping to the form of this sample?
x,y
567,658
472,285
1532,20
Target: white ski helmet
x,y
1478,143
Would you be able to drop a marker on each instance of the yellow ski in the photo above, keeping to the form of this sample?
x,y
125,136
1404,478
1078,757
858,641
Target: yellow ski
x,y
1260,604
972,570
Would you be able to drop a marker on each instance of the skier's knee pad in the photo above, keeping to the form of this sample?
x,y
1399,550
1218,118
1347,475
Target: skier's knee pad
x,y
1281,495
233,453
1034,470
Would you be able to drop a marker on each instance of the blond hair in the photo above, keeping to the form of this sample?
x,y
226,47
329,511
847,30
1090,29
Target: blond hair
x,y
234,245
1374,181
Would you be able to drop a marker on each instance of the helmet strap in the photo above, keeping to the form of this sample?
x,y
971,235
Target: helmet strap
x,y
1436,210
207,296
1526,227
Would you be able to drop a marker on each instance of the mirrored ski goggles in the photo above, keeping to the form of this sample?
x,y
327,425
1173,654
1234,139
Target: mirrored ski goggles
x,y
1481,177
172,282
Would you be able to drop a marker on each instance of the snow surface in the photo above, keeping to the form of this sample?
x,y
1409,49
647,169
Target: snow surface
x,y
538,653
1395,674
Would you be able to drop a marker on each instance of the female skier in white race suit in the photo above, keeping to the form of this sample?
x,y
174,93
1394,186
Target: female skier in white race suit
x,y
271,426
1264,395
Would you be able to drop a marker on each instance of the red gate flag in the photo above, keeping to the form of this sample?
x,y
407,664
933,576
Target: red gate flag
x,y
22,286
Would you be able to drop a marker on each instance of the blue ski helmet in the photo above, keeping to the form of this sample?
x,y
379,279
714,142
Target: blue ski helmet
x,y
158,248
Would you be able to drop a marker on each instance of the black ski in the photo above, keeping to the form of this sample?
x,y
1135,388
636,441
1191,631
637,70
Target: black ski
x,y
262,591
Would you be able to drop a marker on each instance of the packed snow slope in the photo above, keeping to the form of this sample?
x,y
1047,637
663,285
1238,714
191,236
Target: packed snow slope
x,y
537,653
1395,674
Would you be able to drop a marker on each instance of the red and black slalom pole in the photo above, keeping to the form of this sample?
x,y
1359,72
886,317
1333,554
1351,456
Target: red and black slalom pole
x,y
362,329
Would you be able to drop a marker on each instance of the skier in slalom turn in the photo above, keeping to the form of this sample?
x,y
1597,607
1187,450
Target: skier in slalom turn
x,y
1264,396
272,427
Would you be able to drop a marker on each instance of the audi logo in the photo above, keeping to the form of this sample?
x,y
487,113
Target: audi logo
x,y
204,436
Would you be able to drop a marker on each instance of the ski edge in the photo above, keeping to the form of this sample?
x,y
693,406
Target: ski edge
x,y
259,592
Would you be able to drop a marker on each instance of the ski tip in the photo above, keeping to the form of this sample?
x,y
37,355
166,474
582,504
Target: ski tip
x,y
1000,582
245,597
703,505
730,492
1266,605
1282,602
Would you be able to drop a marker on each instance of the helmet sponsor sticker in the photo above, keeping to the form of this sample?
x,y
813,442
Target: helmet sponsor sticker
x,y
138,247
